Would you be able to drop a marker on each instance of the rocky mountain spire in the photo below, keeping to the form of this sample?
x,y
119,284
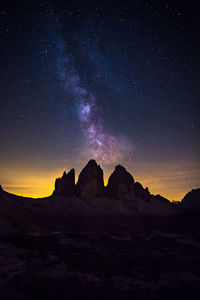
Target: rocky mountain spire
x,y
141,192
121,184
65,186
90,182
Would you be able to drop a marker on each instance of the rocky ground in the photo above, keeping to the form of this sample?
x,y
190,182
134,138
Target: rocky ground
x,y
102,262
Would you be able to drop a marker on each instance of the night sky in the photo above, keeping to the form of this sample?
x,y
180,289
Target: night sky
x,y
115,81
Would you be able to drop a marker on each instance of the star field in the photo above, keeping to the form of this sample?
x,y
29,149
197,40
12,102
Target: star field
x,y
115,81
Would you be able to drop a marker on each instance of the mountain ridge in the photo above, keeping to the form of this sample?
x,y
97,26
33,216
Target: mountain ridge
x,y
89,197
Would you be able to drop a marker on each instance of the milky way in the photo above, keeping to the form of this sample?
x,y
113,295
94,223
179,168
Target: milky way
x,y
98,143
84,79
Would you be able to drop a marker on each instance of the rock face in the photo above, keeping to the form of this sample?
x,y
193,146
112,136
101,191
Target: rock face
x,y
90,182
65,186
142,193
191,201
121,184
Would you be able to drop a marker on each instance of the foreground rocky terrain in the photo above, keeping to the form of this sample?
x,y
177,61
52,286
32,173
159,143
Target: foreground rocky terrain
x,y
149,262
95,242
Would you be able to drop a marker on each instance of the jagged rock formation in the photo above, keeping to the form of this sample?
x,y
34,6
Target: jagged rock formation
x,y
191,201
65,186
88,197
90,182
121,184
142,193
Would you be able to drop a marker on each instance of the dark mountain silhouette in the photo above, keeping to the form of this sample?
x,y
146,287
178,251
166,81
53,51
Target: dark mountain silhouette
x,y
121,184
88,197
121,196
90,182
191,200
65,186
95,242
141,192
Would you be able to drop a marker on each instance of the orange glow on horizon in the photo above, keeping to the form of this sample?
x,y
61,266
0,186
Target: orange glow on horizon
x,y
170,181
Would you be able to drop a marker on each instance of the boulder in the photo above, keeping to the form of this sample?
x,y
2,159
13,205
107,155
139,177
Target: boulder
x,y
90,182
121,184
65,186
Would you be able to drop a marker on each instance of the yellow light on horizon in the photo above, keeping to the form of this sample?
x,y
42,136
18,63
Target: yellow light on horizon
x,y
159,178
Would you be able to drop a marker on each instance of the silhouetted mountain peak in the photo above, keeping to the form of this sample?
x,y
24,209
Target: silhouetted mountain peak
x,y
141,192
121,174
120,168
92,162
65,185
191,200
121,184
90,182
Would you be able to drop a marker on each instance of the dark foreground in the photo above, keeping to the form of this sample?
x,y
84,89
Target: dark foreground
x,y
148,261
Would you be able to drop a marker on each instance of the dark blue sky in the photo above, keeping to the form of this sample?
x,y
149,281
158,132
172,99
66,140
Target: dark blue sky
x,y
138,59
